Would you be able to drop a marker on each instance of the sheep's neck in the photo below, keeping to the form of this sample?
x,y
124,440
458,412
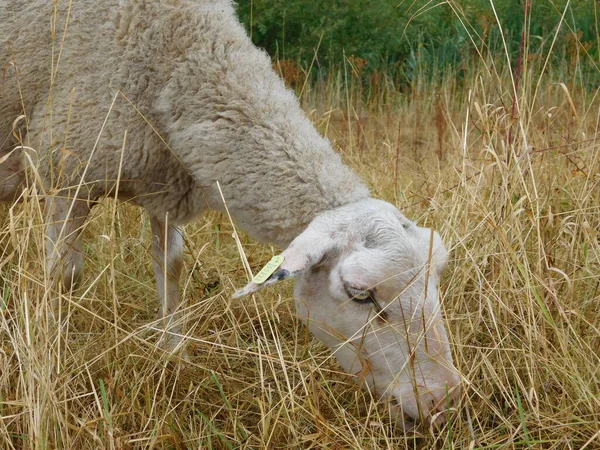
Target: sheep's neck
x,y
275,189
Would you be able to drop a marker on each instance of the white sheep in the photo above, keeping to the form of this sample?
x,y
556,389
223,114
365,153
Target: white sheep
x,y
158,100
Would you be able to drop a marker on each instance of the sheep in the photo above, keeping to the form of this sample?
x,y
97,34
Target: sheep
x,y
169,105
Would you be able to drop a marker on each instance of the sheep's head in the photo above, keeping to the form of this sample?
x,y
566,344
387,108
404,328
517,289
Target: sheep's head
x,y
367,287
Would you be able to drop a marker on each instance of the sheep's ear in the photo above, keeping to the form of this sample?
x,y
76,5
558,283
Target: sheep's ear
x,y
440,254
307,250
439,251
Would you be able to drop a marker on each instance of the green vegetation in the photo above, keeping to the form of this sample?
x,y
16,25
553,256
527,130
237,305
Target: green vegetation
x,y
409,38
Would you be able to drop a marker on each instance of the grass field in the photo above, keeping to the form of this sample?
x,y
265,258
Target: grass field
x,y
509,176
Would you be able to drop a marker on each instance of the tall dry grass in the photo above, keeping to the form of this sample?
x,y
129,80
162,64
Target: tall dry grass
x,y
510,177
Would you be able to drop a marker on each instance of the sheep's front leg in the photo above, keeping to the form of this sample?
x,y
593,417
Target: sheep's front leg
x,y
11,174
65,218
167,260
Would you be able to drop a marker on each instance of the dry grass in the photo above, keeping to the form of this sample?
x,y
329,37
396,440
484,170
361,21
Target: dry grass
x,y
516,196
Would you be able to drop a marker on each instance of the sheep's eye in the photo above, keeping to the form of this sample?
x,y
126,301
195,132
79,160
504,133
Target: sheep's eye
x,y
360,296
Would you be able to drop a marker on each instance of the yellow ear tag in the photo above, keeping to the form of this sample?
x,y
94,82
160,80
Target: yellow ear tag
x,y
268,270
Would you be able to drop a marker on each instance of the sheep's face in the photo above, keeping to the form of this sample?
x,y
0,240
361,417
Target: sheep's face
x,y
368,289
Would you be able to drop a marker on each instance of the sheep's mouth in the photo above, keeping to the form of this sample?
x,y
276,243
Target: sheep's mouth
x,y
409,424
